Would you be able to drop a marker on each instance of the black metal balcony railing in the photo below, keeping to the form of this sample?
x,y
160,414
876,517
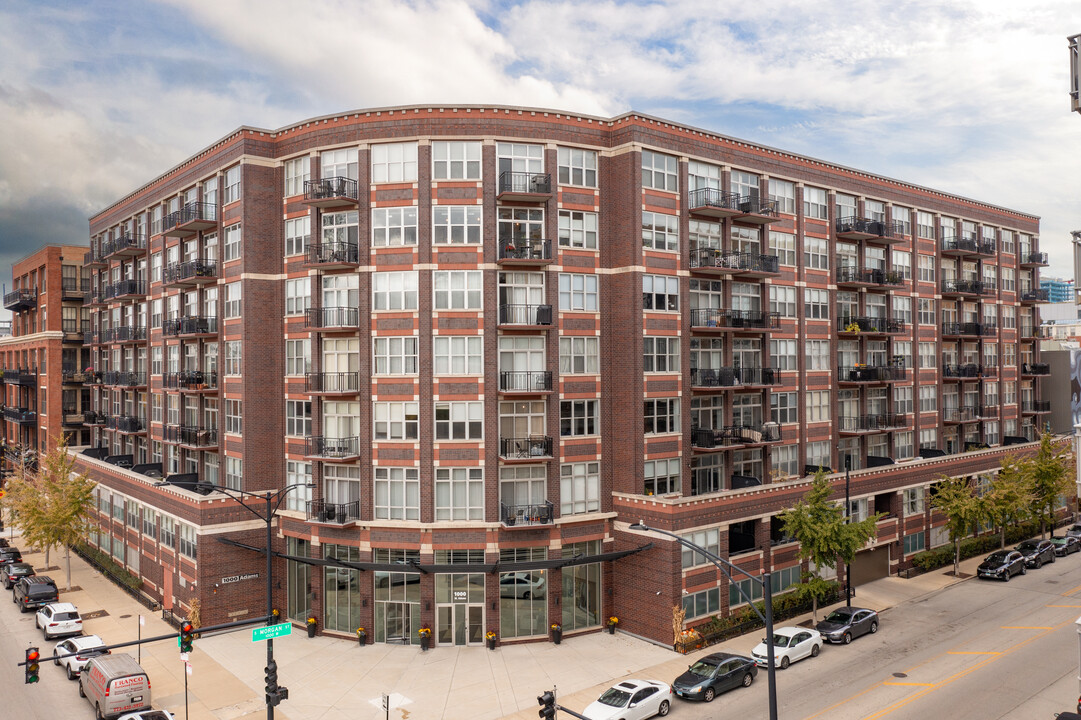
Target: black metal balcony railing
x,y
872,423
967,287
331,447
720,317
190,269
865,226
193,436
92,257
22,416
191,380
536,446
1035,295
1035,406
27,377
22,299
871,373
72,416
968,413
967,370
733,435
969,328
337,513
331,253
525,314
93,417
704,257
127,243
705,198
332,317
190,325
525,249
332,382
330,188
70,374
525,183
869,276
734,376
1036,258
861,323
1035,369
126,423
124,333
125,288
525,380
954,243
755,204
193,212
524,515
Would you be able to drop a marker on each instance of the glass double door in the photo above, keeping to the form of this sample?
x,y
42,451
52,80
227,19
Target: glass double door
x,y
459,608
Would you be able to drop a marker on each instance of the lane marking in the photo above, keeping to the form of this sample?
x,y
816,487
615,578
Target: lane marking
x,y
1026,627
1071,591
1064,606
910,684
973,652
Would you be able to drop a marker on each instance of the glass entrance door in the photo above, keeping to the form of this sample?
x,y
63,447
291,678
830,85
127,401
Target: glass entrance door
x,y
459,624
396,622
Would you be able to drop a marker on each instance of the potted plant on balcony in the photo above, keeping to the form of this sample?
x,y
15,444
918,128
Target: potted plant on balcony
x,y
853,327
557,633
491,638
425,638
311,623
612,622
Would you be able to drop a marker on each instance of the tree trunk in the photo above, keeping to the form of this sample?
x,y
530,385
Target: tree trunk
x,y
47,547
814,609
1002,537
68,558
956,558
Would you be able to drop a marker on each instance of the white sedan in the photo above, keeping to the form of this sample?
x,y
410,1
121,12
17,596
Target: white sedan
x,y
789,645
631,700
148,715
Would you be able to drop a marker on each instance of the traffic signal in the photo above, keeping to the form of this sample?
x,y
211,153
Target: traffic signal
x,y
32,664
272,678
547,701
187,636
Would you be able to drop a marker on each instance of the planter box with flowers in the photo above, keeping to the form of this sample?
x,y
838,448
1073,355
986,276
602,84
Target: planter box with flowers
x,y
311,626
491,638
557,633
612,622
362,636
425,638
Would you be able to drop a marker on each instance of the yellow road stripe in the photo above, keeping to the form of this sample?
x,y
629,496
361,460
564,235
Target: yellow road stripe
x,y
1026,627
1065,606
1071,591
915,684
973,652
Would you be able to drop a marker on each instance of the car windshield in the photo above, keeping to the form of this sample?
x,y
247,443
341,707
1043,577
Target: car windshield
x,y
703,668
1058,540
838,616
1027,546
780,640
615,697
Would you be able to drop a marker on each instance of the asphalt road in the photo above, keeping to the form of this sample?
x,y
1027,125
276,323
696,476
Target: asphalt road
x,y
983,650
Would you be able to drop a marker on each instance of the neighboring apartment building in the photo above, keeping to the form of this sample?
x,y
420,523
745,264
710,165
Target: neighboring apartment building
x,y
1058,290
493,338
43,358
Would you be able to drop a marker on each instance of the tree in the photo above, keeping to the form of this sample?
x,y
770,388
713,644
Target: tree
x,y
1050,476
956,498
52,508
824,535
1009,499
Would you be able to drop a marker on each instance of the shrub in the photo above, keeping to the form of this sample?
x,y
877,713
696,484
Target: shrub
x,y
973,546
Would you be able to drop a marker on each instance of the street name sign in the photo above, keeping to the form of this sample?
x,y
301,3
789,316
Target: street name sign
x,y
271,631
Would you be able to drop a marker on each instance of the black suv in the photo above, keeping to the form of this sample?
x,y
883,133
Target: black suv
x,y
10,554
33,592
1037,552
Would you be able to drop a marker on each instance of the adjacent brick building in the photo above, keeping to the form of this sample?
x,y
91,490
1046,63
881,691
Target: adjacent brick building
x,y
493,338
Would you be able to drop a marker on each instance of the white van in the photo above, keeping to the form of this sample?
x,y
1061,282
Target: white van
x,y
114,685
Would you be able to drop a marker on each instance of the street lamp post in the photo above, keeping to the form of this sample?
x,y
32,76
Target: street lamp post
x,y
767,596
848,519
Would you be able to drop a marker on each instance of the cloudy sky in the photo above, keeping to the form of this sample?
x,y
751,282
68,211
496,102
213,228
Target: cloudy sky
x,y
968,96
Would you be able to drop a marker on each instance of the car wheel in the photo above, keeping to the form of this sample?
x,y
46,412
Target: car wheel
x,y
81,692
71,675
47,635
874,626
785,662
56,659
100,715
847,638
1024,570
748,679
664,708
1053,558
1007,575
815,649
709,694
527,595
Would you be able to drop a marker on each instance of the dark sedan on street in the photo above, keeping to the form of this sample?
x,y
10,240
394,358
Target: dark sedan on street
x,y
12,571
713,674
1002,565
846,623
1066,545
1037,552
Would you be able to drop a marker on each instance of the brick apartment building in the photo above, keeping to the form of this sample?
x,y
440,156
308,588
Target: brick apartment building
x,y
493,338
43,358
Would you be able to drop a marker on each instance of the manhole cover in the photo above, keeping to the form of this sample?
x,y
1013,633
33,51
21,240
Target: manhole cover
x,y
900,675
95,614
125,616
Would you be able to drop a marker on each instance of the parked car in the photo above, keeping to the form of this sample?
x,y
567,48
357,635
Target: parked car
x,y
631,700
10,554
56,619
1037,552
33,592
115,685
713,674
12,571
148,715
4,543
1066,544
1002,564
85,647
521,585
789,645
1074,530
844,624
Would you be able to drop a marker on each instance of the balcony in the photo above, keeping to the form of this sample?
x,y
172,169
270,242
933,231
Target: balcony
x,y
124,379
126,424
331,449
528,448
190,219
332,383
1035,296
190,325
968,413
963,288
125,289
127,245
524,186
735,436
71,417
90,337
955,246
871,374
27,377
1034,259
525,315
968,329
74,288
734,319
850,275
191,436
523,251
190,381
332,513
21,416
856,324
1035,369
964,372
190,273
332,318
525,381
72,375
1030,407
331,192
756,210
714,261
734,377
332,255
857,424
712,202
527,515
878,231
93,417
18,300
123,334
93,258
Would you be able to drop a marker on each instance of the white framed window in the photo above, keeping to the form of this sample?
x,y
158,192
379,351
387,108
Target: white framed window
x,y
784,407
783,245
232,185
297,172
815,204
578,292
926,269
459,493
298,296
155,268
816,253
926,313
902,399
709,539
928,356
660,354
902,309
519,158
339,163
456,160
394,290
782,300
785,460
457,289
903,217
234,472
232,357
783,193
662,476
396,420
232,300
913,501
902,263
397,493
233,416
458,355
394,226
395,355
232,243
659,171
818,354
816,304
394,162
928,398
661,415
903,448
660,231
1008,282
925,224
577,167
298,357
298,418
339,228
459,421
660,292
456,224
579,488
818,407
579,417
298,232
578,229
579,355
298,473
156,354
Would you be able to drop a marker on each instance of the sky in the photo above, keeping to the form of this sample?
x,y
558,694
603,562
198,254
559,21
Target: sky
x,y
966,96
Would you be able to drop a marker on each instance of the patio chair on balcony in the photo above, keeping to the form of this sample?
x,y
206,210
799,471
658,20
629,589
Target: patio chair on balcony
x,y
707,377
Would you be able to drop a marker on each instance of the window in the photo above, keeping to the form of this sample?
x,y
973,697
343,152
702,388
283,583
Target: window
x,y
459,421
708,540
818,406
155,267
579,355
298,296
578,417
233,416
578,229
785,459
297,235
818,354
701,603
396,420
394,226
397,493
902,446
455,160
902,400
990,432
926,311
232,300
782,300
578,292
1009,316
298,418
1008,283
579,488
1008,245
394,162
298,357
814,203
661,416
232,243
458,354
298,473
783,245
186,538
659,231
456,224
903,217
339,163
459,494
297,172
394,290
816,253
395,355
232,185
234,472
902,309
662,476
457,289
783,193
659,171
577,167
339,231
914,543
660,292
926,268
925,224
156,357
928,398
782,354
902,264
784,407
661,354
232,357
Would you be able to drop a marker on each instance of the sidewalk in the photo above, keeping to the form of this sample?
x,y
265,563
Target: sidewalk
x,y
335,679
